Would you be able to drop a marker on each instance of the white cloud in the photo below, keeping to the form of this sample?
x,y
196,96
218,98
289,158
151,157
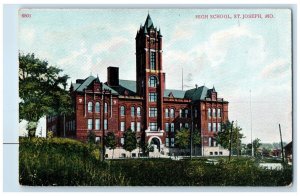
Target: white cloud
x,y
27,36
277,68
110,45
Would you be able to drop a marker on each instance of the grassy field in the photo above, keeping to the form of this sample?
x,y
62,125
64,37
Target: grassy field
x,y
59,162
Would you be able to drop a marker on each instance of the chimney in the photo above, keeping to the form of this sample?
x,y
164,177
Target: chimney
x,y
113,76
196,85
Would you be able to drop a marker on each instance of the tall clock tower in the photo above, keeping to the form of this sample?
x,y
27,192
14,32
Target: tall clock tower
x,y
150,79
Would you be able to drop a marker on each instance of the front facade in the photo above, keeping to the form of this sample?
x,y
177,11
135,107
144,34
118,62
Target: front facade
x,y
153,112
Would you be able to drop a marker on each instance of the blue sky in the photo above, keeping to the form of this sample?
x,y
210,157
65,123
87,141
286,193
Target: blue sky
x,y
233,55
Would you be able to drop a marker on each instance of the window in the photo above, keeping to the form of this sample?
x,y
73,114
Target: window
x,y
105,107
122,140
212,142
153,112
90,107
138,111
219,112
97,124
186,125
166,127
122,126
153,126
90,124
105,124
209,126
219,126
172,141
152,97
172,127
152,60
186,113
216,153
220,153
167,113
167,141
122,111
132,111
97,107
209,112
138,126
196,112
152,81
172,113
214,127
180,125
133,155
210,153
214,112
132,126
180,113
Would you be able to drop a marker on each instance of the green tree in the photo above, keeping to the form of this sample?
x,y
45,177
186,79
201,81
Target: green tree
x,y
223,137
130,141
182,138
39,86
110,142
91,137
256,145
196,139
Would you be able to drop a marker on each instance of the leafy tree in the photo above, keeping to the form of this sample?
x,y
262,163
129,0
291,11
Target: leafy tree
x,y
256,145
182,138
196,139
223,137
130,141
91,137
40,86
110,142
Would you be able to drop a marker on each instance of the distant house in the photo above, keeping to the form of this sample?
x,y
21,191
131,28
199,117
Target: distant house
x,y
288,149
276,153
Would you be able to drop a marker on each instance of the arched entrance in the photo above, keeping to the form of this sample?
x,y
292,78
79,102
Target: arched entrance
x,y
155,142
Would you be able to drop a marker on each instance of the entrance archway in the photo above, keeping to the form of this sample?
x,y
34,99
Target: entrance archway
x,y
155,142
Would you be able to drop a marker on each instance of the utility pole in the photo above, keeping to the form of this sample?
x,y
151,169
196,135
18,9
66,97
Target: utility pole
x,y
230,140
282,154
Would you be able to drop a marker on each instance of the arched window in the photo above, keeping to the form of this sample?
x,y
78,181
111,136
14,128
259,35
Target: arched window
x,y
138,111
132,111
105,107
152,81
167,113
90,107
180,113
122,111
97,107
172,113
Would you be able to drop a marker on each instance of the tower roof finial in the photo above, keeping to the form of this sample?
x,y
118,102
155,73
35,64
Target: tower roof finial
x,y
148,22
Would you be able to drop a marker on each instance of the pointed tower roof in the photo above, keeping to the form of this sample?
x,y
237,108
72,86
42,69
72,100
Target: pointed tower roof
x,y
148,23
